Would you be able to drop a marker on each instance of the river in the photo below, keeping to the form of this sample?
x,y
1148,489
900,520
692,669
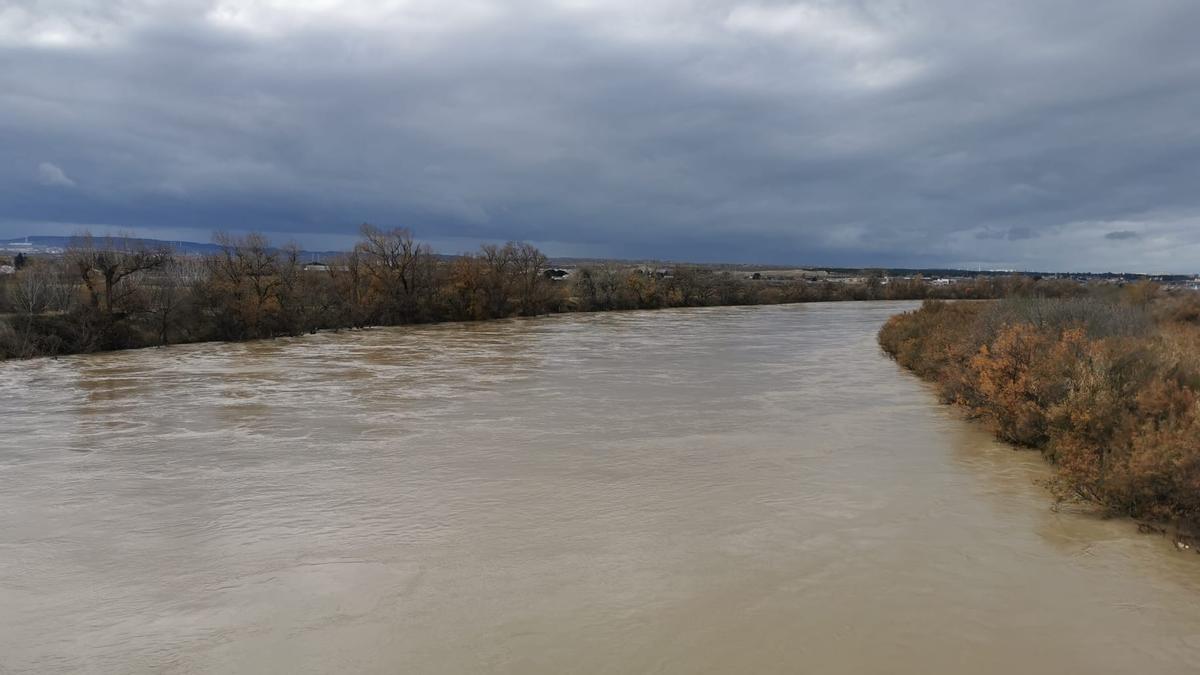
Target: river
x,y
733,490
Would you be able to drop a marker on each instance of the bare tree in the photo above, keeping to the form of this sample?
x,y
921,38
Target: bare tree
x,y
400,270
352,288
32,290
170,293
246,284
110,268
38,289
531,285
292,292
464,291
498,263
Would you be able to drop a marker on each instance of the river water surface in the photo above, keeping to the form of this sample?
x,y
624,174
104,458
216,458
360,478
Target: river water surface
x,y
736,490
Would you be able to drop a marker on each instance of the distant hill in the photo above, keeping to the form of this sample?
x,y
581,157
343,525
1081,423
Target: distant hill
x,y
45,244
55,244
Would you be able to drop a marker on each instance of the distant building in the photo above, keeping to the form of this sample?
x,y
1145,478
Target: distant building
x,y
657,272
316,267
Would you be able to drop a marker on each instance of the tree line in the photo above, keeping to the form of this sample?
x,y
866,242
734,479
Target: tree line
x,y
117,292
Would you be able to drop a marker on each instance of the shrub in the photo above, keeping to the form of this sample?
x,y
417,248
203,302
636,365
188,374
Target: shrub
x,y
1107,387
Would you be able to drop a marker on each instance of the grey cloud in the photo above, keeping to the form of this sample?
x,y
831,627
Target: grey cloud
x,y
1121,235
862,132
50,174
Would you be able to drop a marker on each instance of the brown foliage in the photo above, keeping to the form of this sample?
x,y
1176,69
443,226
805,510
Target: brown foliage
x,y
1112,399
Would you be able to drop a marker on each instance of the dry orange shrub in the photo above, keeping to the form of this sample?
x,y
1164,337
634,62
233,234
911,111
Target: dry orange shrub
x,y
1118,414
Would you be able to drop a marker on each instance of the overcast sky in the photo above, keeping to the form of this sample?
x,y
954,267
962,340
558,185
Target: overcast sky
x,y
1003,134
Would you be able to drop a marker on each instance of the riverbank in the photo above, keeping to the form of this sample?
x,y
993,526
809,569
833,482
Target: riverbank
x,y
1105,386
111,294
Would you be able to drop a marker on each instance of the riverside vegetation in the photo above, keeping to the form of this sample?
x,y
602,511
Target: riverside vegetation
x,y
1106,385
116,293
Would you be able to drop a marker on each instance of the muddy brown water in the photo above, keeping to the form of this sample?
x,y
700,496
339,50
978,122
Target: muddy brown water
x,y
728,490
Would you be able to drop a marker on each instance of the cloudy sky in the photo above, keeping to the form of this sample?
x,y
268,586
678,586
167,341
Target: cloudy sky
x,y
1009,134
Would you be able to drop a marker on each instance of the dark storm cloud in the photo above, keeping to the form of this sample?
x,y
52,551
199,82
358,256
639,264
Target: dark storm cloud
x,y
862,132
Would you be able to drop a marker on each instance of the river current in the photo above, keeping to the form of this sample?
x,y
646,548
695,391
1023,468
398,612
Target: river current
x,y
733,490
